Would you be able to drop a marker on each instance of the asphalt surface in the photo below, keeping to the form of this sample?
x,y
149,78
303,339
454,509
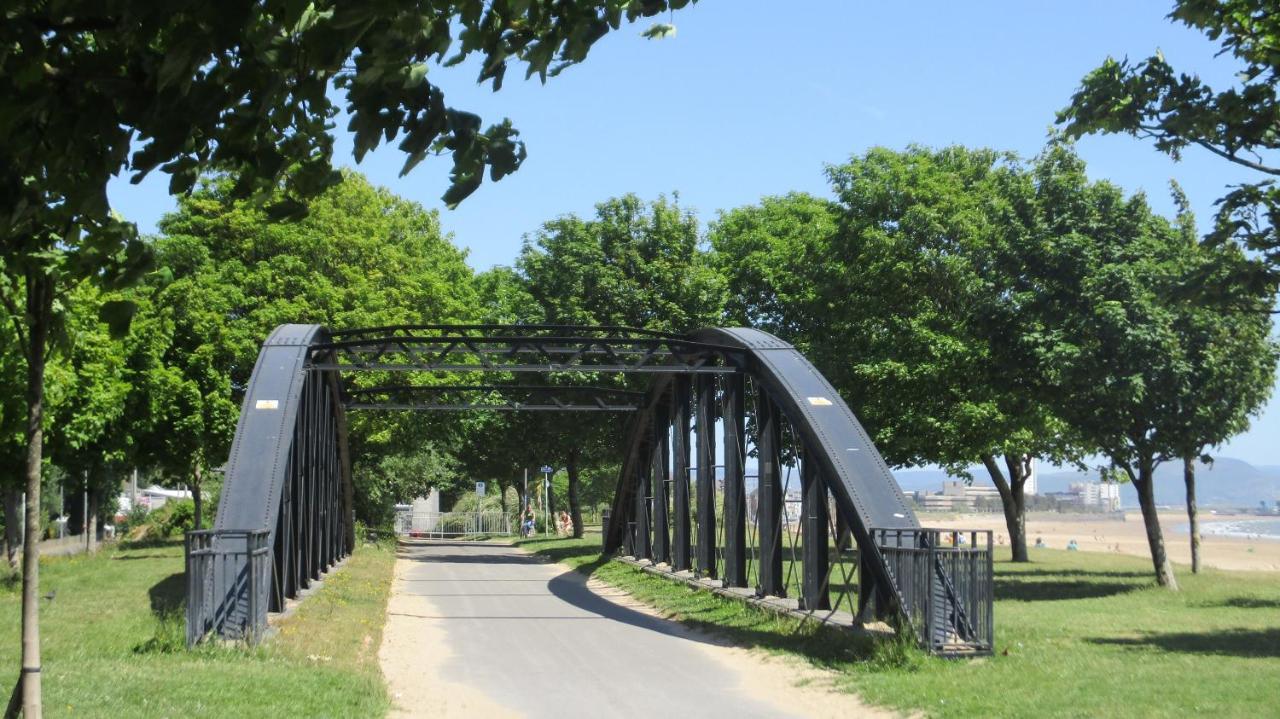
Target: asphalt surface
x,y
539,642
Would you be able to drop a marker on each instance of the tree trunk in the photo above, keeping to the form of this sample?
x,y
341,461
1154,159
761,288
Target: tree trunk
x,y
12,526
40,314
197,478
1145,484
1189,476
575,510
91,523
1012,500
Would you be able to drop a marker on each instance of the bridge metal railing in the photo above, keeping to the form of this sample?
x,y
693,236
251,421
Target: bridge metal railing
x,y
228,580
945,582
442,525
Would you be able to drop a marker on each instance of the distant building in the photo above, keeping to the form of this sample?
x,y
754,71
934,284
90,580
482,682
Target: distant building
x,y
1032,485
1101,495
956,496
151,498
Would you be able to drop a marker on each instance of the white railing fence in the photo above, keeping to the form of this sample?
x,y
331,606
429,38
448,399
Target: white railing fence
x,y
440,525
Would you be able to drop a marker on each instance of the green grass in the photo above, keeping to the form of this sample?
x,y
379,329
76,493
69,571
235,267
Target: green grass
x,y
1077,634
113,643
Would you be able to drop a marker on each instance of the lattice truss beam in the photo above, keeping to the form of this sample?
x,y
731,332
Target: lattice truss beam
x,y
498,397
517,348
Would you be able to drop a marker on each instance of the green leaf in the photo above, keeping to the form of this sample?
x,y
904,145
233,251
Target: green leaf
x,y
659,30
117,315
286,209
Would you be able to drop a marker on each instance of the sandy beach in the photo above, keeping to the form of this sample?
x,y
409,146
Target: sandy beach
x,y
1094,533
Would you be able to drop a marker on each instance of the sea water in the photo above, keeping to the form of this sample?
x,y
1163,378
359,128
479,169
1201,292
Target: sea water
x,y
1250,528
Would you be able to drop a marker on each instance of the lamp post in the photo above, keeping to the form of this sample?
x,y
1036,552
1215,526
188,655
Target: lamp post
x,y
546,498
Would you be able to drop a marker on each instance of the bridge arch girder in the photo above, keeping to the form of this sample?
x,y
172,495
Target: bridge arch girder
x,y
288,479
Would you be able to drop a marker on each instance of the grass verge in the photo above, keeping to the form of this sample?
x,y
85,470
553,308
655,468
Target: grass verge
x,y
1077,634
112,640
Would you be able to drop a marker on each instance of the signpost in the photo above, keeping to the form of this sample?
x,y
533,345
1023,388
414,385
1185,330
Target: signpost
x,y
479,489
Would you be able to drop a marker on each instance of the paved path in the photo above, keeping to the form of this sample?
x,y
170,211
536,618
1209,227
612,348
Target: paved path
x,y
489,630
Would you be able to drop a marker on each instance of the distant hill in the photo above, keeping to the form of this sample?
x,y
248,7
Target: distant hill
x,y
1228,482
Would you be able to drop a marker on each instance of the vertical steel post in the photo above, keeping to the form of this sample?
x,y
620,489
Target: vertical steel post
x,y
813,509
866,586
680,474
661,479
733,411
769,511
844,535
705,387
643,548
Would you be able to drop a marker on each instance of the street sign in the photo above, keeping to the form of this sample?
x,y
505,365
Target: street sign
x,y
546,469
479,489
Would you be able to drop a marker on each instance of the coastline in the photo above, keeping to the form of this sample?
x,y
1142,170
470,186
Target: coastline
x,y
1112,534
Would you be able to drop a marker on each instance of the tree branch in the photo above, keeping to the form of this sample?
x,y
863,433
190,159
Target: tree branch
x,y
1156,131
69,24
14,315
1238,160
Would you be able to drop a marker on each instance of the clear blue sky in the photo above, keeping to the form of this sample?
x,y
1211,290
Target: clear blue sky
x,y
753,97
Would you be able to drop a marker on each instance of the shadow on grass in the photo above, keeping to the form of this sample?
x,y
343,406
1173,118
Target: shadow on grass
x,y
168,603
1231,642
151,543
1010,569
169,595
820,644
1242,603
1047,590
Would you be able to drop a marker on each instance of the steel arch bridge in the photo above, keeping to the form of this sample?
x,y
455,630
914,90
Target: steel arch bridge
x,y
285,514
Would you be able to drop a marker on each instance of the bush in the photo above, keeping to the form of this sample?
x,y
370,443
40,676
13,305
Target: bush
x,y
471,503
176,517
135,518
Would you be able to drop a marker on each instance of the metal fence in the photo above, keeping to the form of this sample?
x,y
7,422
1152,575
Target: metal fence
x,y
439,525
228,580
945,581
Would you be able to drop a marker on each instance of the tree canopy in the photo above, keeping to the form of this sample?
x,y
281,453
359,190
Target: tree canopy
x,y
1151,99
361,258
924,293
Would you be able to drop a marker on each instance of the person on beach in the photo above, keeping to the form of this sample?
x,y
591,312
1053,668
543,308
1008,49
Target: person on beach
x,y
1072,546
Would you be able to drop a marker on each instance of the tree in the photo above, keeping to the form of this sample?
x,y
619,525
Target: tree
x,y
905,293
634,264
1125,354
771,256
361,258
383,481
1149,99
1231,358
242,89
12,420
92,434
